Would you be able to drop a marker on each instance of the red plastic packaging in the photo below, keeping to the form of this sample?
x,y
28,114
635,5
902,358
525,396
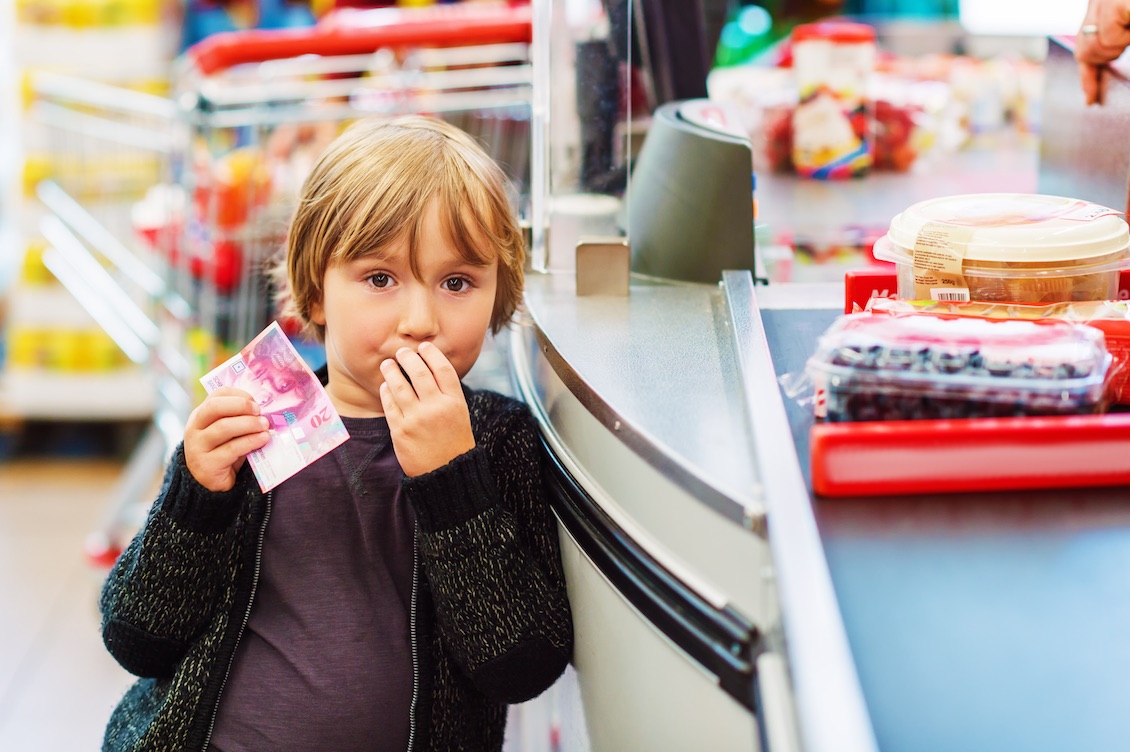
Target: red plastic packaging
x,y
885,458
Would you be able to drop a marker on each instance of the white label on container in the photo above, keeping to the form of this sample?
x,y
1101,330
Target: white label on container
x,y
950,294
939,251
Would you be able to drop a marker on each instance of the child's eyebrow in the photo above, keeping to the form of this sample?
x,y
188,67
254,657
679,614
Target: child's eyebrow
x,y
472,261
373,259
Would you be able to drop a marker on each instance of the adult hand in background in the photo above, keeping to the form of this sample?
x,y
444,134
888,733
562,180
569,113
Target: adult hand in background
x,y
1102,37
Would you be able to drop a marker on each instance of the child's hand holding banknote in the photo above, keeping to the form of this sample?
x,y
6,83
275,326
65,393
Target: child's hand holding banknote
x,y
219,435
265,405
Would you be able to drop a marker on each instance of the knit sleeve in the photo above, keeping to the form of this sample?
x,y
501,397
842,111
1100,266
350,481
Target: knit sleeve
x,y
163,588
490,552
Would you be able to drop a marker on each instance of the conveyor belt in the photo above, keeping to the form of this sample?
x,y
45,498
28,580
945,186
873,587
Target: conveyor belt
x,y
979,622
792,338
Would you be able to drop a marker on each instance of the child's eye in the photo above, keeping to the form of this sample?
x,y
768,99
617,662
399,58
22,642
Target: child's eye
x,y
457,284
379,280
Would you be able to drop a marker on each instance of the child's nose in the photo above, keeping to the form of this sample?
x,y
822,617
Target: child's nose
x,y
418,320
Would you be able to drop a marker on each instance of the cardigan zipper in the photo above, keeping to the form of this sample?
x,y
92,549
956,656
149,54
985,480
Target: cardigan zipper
x,y
415,649
246,618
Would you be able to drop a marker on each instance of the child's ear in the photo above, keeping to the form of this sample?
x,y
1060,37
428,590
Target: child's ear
x,y
317,314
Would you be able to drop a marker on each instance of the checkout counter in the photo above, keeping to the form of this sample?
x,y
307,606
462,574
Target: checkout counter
x,y
720,605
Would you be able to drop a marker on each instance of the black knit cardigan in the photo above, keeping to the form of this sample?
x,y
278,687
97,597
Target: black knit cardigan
x,y
492,620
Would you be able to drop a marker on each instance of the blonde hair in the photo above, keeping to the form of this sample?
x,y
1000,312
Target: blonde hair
x,y
372,185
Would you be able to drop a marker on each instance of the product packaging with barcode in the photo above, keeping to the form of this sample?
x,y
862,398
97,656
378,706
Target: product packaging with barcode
x,y
883,367
1007,248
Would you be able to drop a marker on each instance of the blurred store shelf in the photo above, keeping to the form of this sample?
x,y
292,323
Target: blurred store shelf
x,y
61,366
47,395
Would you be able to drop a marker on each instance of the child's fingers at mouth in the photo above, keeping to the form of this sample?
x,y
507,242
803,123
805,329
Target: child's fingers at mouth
x,y
395,375
441,368
392,366
416,369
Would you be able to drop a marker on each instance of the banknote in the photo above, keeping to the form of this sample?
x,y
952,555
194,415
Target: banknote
x,y
303,422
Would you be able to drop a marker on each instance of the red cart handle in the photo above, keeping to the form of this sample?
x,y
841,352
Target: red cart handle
x,y
351,31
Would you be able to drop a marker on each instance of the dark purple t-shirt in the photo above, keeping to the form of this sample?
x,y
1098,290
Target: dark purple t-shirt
x,y
325,661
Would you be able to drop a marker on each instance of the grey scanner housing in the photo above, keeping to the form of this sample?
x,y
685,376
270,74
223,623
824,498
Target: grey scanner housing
x,y
690,204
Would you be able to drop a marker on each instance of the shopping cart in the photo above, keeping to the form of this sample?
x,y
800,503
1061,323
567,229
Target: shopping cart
x,y
250,112
262,104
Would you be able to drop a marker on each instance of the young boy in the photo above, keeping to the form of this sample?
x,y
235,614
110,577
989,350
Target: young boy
x,y
398,592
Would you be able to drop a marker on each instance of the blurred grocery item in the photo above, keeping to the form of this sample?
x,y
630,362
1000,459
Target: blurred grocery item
x,y
832,62
894,128
233,187
921,108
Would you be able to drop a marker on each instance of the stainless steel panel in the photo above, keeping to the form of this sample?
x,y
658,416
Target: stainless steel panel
x,y
639,692
657,368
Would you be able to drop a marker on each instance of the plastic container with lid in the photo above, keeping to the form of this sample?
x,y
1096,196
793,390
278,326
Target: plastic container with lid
x,y
1111,317
831,124
881,367
1007,247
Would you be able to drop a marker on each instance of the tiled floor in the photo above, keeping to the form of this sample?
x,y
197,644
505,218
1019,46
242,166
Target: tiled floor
x,y
57,683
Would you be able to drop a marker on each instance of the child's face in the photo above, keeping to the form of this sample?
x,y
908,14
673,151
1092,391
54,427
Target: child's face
x,y
373,308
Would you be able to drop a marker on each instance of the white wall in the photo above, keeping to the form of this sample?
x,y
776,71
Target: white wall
x,y
1022,17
